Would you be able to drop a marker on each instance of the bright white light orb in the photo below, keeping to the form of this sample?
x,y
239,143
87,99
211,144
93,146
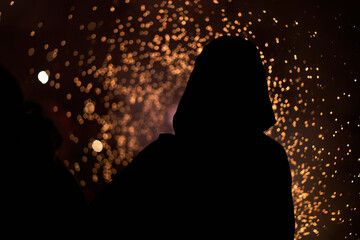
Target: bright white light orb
x,y
43,77
97,146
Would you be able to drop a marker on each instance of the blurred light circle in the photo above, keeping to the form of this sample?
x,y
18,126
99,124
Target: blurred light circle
x,y
43,77
97,146
89,108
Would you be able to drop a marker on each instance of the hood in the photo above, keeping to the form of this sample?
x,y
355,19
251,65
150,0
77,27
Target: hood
x,y
226,93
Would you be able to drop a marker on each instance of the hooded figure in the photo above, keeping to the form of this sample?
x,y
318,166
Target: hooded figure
x,y
219,174
227,92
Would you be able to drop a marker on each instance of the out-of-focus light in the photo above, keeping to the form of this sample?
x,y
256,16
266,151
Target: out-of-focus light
x,y
89,108
43,77
97,146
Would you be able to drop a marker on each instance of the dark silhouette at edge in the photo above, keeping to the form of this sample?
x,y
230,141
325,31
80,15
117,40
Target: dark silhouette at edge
x,y
219,174
40,197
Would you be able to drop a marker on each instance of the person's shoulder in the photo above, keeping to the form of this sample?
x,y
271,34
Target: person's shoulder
x,y
153,154
144,163
162,143
166,138
274,146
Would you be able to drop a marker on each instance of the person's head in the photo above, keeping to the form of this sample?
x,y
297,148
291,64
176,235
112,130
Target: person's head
x,y
227,92
11,101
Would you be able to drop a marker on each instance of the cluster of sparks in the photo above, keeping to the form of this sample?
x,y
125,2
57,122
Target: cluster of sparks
x,y
133,68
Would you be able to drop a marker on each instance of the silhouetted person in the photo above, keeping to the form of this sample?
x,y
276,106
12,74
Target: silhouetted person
x,y
40,197
219,175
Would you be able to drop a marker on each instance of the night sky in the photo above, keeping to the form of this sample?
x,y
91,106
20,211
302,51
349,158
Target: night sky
x,y
113,73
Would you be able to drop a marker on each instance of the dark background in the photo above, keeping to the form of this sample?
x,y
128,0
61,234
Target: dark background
x,y
318,114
